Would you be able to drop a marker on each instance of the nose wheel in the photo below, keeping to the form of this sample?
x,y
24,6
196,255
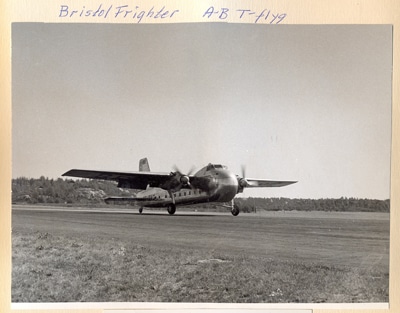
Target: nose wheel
x,y
140,210
235,209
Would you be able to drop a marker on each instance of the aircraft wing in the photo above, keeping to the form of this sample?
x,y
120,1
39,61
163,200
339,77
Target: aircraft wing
x,y
134,180
267,183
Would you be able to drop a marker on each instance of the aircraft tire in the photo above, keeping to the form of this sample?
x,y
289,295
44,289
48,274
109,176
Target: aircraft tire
x,y
235,211
171,209
140,210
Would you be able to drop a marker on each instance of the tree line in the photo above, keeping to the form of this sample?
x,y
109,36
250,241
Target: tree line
x,y
63,191
285,204
88,192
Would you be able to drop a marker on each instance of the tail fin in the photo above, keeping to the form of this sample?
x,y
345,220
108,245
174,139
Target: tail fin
x,y
144,165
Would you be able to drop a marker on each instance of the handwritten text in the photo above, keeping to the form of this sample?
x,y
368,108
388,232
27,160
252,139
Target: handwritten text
x,y
120,12
264,16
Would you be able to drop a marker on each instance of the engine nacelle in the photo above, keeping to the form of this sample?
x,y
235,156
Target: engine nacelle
x,y
184,180
243,182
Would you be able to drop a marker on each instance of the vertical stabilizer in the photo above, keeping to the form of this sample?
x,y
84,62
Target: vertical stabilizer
x,y
144,165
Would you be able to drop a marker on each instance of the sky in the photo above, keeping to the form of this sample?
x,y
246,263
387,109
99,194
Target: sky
x,y
310,103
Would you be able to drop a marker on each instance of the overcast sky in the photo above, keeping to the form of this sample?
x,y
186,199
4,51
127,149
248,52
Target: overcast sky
x,y
306,103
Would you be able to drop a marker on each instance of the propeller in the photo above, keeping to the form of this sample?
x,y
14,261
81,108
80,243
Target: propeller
x,y
183,179
242,182
203,183
178,181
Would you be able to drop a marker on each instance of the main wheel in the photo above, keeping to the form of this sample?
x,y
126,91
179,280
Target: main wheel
x,y
171,209
141,210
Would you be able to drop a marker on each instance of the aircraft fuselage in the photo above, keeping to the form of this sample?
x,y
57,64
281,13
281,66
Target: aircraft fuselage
x,y
223,188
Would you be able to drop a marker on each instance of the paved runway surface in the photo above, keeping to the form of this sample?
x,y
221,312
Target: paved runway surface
x,y
351,239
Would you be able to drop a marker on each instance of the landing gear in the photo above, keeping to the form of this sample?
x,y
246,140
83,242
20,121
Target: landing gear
x,y
235,209
171,208
140,210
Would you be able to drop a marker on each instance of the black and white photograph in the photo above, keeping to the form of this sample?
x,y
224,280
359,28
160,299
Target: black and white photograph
x,y
201,163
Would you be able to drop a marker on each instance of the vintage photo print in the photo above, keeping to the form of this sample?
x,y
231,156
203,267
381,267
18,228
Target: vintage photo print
x,y
201,163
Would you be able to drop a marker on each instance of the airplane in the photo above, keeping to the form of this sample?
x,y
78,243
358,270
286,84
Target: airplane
x,y
213,183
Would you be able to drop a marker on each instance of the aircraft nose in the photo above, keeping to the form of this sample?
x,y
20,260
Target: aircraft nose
x,y
226,174
228,186
231,178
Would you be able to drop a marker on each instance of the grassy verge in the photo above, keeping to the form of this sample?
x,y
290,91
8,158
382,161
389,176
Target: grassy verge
x,y
49,268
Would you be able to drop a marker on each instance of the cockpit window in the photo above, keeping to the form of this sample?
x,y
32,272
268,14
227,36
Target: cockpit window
x,y
215,166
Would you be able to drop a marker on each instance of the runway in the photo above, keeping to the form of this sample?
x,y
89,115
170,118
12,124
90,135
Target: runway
x,y
359,240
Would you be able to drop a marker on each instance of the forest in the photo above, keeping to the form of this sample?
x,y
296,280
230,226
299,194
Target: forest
x,y
85,192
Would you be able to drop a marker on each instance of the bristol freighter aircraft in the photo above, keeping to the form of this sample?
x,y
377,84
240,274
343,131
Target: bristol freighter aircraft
x,y
213,183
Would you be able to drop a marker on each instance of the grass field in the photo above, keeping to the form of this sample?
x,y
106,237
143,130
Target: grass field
x,y
59,268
